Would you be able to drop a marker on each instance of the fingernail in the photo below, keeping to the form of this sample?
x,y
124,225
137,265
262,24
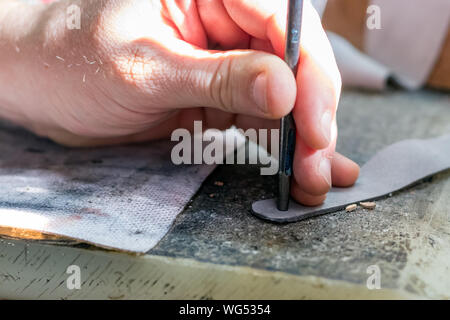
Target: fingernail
x,y
260,92
325,170
326,125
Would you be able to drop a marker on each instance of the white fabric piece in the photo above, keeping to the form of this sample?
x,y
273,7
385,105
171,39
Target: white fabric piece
x,y
406,47
124,197
410,39
320,6
357,69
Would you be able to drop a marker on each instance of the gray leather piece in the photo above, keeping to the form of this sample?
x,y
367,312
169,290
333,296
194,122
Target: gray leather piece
x,y
391,169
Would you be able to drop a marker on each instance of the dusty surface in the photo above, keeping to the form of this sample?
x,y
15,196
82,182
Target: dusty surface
x,y
406,235
217,249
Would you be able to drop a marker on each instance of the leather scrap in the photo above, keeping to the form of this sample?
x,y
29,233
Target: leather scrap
x,y
393,168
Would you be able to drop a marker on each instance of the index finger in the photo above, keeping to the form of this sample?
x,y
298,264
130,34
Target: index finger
x,y
266,20
318,79
262,19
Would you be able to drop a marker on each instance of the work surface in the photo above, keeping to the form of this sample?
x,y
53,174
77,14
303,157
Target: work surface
x,y
217,249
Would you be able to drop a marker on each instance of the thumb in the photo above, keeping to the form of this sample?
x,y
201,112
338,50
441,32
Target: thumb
x,y
244,82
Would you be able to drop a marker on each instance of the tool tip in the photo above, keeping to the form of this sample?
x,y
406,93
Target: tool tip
x,y
284,184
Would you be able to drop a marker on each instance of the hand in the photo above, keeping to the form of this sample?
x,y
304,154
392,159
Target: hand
x,y
138,69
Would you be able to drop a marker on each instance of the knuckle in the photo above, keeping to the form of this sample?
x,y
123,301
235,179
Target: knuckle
x,y
139,70
133,66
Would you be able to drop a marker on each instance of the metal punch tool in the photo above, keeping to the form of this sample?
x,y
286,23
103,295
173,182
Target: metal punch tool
x,y
288,131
